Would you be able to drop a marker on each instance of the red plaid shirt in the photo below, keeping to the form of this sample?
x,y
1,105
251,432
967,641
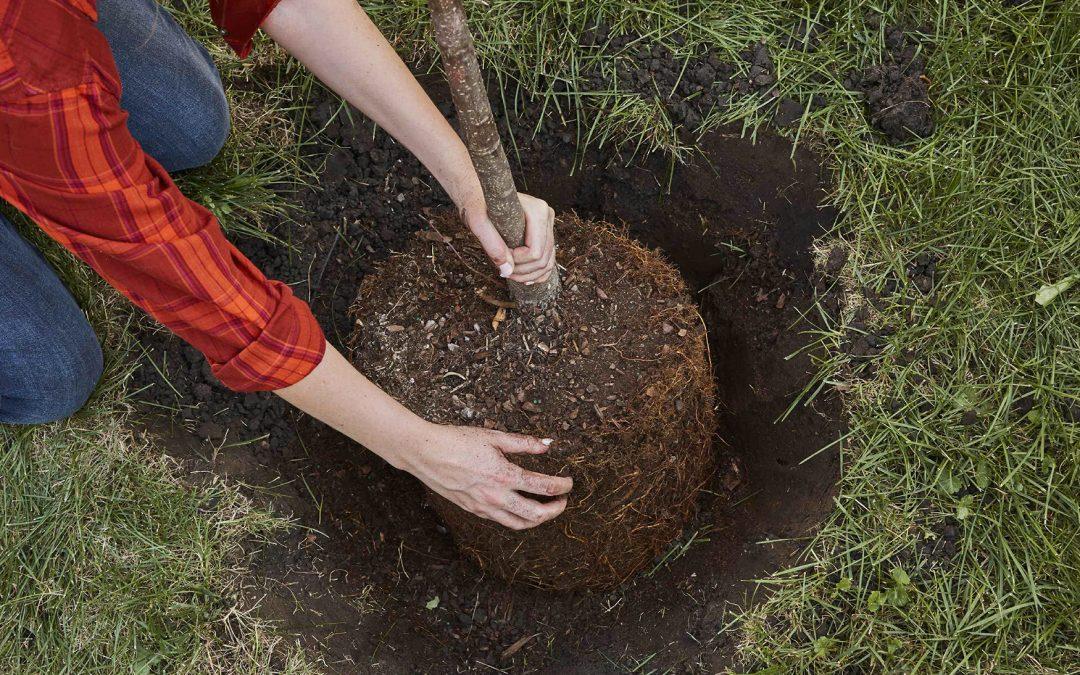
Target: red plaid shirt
x,y
68,162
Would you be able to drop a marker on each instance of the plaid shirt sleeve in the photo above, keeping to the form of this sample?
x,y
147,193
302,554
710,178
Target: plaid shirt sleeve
x,y
239,19
68,162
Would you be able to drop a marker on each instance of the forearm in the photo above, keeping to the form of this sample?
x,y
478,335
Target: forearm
x,y
339,395
465,465
337,41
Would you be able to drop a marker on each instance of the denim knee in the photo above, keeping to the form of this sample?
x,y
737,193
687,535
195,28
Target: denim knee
x,y
172,92
188,131
50,359
52,381
202,134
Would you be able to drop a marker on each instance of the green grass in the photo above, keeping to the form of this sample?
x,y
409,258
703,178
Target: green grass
x,y
110,559
111,562
996,195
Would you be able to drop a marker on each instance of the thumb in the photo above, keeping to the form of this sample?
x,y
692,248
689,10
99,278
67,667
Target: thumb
x,y
518,443
493,244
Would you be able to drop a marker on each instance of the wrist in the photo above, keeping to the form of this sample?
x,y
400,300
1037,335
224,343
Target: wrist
x,y
470,202
404,445
462,184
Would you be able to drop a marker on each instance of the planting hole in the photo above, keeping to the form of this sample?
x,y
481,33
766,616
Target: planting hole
x,y
738,221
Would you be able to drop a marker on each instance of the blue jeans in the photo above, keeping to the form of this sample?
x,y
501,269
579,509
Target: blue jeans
x,y
50,359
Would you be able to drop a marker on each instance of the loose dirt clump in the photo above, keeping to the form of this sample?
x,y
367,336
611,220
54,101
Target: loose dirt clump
x,y
691,87
617,371
897,91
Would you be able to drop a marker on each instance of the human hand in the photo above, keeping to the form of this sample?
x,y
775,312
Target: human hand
x,y
466,466
527,264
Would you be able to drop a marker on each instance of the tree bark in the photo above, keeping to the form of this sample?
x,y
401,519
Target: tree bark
x,y
482,138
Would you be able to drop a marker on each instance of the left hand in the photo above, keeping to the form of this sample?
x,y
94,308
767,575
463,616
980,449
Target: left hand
x,y
526,264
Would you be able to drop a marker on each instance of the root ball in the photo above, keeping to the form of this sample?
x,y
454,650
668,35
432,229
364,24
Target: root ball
x,y
617,371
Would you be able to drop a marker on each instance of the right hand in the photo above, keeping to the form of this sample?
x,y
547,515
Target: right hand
x,y
466,466
535,261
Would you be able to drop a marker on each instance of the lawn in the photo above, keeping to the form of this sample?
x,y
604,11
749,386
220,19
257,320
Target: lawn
x,y
953,545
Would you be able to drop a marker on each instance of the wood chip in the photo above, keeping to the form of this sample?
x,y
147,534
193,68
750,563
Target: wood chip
x,y
781,301
492,300
601,294
516,647
500,316
432,235
394,328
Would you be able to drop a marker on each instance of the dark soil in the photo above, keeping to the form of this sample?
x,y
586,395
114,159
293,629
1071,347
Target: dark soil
x,y
897,90
691,86
377,583
617,371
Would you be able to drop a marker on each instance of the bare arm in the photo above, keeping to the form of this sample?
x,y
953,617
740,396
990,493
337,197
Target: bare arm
x,y
337,41
464,464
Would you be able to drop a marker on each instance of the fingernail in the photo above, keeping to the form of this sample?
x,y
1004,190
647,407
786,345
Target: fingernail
x,y
506,269
529,283
547,441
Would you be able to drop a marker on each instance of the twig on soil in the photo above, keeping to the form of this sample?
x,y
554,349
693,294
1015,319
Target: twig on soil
x,y
491,300
516,647
401,559
448,241
312,287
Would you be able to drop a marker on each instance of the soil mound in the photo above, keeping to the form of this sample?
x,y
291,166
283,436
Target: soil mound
x,y
897,91
617,371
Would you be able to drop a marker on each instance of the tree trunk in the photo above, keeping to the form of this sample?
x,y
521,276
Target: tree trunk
x,y
482,138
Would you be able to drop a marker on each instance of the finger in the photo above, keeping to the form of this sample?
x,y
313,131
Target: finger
x,y
507,519
520,443
549,267
531,278
539,274
523,255
538,268
539,484
538,265
546,275
539,222
494,246
533,511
